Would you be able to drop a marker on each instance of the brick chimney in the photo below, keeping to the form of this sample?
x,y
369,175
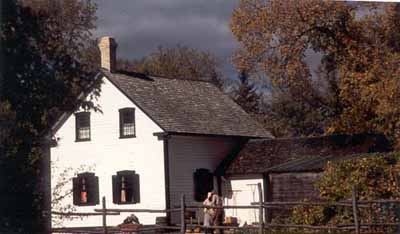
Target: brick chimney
x,y
108,52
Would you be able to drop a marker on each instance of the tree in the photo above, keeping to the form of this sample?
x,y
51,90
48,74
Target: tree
x,y
177,62
374,177
359,47
43,71
246,95
61,192
288,115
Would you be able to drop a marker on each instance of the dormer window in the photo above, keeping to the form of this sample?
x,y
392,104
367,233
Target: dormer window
x,y
82,126
85,188
127,122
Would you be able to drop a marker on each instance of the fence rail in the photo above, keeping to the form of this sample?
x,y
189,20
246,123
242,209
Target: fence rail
x,y
261,206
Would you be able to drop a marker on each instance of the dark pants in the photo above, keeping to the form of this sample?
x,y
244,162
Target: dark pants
x,y
218,218
208,230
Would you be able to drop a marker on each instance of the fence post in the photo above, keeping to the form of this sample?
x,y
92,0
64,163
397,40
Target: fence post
x,y
104,215
355,209
183,223
260,210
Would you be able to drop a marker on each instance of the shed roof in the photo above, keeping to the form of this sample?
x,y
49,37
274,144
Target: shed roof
x,y
259,155
187,106
314,163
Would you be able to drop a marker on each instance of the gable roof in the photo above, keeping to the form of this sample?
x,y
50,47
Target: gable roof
x,y
258,156
187,106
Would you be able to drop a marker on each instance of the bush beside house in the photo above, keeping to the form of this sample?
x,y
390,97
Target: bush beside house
x,y
375,177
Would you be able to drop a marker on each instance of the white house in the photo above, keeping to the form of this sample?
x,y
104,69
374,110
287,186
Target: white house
x,y
157,139
154,140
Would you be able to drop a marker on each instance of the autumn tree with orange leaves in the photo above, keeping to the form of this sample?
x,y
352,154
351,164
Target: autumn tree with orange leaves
x,y
356,86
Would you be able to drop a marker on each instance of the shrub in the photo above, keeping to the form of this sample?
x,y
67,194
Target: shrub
x,y
374,177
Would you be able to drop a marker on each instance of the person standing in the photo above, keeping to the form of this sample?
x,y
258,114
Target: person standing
x,y
219,212
209,212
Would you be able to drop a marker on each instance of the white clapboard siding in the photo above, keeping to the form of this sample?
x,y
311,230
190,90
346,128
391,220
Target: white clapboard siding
x,y
106,154
188,153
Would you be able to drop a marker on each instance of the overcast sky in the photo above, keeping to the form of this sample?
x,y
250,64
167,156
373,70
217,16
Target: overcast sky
x,y
140,26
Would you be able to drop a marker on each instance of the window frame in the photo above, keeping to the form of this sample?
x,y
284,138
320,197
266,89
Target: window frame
x,y
92,189
122,123
134,186
78,121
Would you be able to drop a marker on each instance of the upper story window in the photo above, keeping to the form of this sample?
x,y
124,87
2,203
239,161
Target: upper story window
x,y
203,183
127,122
126,187
85,189
82,126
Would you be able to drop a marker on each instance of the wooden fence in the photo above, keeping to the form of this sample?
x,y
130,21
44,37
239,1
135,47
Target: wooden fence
x,y
262,227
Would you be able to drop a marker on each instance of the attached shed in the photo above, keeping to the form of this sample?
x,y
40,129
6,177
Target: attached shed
x,y
296,180
288,168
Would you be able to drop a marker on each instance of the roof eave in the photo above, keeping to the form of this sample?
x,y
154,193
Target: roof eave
x,y
210,135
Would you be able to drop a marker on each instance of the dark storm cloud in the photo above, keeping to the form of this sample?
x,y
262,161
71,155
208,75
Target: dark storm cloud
x,y
139,26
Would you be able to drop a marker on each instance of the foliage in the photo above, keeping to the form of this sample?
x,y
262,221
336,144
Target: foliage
x,y
246,95
177,62
62,191
43,71
355,88
286,116
374,177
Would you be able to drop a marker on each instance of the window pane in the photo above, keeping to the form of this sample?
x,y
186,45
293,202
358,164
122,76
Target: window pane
x,y
84,122
85,189
128,116
126,188
83,119
82,126
127,122
84,133
128,129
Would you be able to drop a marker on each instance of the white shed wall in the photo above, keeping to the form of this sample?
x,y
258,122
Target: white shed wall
x,y
106,154
242,191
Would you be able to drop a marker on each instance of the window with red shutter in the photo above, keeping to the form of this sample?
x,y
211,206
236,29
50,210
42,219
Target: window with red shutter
x,y
85,189
126,187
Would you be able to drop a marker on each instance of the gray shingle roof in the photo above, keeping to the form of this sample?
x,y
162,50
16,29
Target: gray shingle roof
x,y
258,156
187,106
315,163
